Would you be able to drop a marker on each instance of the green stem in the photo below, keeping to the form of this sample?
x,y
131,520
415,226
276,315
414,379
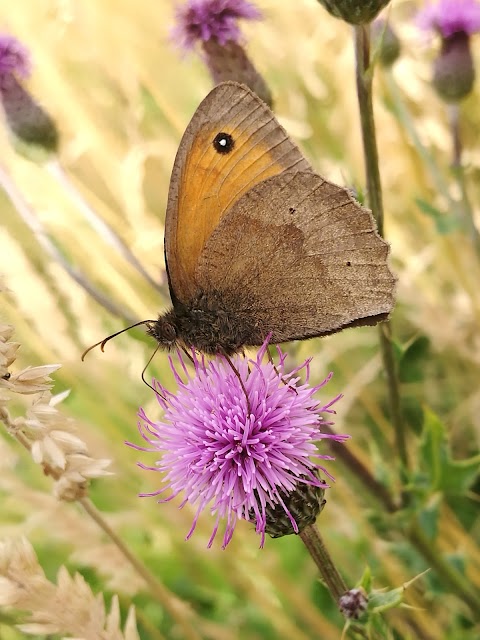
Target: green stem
x,y
316,547
364,77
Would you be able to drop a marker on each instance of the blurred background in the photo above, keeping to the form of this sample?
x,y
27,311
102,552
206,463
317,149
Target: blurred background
x,y
122,93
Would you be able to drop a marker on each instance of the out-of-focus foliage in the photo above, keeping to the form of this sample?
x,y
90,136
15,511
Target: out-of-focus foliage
x,y
121,95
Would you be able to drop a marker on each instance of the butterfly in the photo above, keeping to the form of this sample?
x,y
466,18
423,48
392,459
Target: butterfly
x,y
256,243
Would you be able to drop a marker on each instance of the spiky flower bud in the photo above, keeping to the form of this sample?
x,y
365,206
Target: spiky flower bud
x,y
304,504
354,11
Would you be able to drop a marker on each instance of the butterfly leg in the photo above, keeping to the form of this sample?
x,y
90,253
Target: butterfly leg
x,y
235,371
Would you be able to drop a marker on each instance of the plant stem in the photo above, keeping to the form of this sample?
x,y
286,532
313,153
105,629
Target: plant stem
x,y
316,547
48,245
364,77
179,611
95,221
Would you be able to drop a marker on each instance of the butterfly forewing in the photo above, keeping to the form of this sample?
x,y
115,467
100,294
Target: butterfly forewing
x,y
232,143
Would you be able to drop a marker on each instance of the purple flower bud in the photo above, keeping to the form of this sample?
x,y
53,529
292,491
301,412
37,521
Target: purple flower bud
x,y
31,127
353,603
214,24
455,21
241,450
203,20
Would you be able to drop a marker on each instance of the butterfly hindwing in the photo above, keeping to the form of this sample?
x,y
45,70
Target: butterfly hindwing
x,y
304,259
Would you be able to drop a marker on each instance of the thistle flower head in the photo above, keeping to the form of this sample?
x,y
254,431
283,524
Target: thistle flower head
x,y
455,21
14,60
238,448
448,17
204,20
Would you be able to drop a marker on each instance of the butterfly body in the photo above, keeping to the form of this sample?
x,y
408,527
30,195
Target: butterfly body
x,y
257,243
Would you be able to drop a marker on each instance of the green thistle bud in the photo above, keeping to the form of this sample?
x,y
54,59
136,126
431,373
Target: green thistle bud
x,y
386,42
304,504
354,11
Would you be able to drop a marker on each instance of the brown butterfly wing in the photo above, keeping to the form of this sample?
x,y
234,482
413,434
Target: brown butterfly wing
x,y
299,257
206,183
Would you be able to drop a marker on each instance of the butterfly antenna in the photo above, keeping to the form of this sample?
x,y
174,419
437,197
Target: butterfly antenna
x,y
237,373
103,342
189,355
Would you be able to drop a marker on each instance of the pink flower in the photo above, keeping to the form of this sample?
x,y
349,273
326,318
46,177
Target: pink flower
x,y
233,456
203,20
450,16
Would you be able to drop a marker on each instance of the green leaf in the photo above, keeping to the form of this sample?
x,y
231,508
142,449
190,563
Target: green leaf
x,y
444,222
445,474
411,367
429,516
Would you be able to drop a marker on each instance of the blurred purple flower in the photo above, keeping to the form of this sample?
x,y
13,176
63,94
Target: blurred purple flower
x,y
235,462
203,20
450,16
14,60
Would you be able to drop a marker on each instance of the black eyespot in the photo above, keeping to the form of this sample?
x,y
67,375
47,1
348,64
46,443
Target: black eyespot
x,y
292,210
348,263
223,142
7,376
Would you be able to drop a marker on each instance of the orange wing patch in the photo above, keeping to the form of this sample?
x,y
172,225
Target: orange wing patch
x,y
211,182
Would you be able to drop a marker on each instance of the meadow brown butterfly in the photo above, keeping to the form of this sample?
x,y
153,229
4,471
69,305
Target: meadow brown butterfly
x,y
257,243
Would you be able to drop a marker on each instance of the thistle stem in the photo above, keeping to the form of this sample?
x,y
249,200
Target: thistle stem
x,y
316,547
364,77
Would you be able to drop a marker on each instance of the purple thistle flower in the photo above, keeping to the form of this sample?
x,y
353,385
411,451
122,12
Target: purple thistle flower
x,y
453,69
450,16
203,20
14,60
236,457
